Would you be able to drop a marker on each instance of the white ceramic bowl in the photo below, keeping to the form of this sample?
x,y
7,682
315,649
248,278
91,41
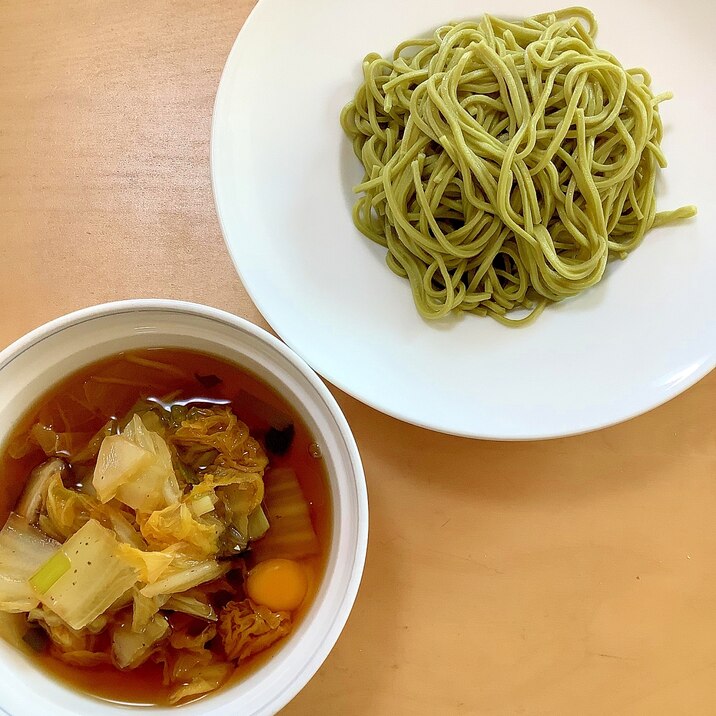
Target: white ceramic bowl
x,y
39,360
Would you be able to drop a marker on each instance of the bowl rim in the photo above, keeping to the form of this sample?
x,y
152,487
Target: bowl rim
x,y
356,480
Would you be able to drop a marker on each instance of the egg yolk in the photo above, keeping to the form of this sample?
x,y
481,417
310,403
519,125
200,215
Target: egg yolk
x,y
279,584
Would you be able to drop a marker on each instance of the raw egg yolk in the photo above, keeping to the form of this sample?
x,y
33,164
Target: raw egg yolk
x,y
279,584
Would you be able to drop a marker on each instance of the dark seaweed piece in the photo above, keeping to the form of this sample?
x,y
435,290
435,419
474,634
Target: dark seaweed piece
x,y
208,381
36,638
279,441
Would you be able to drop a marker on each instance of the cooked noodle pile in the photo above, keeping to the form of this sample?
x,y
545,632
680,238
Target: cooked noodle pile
x,y
505,162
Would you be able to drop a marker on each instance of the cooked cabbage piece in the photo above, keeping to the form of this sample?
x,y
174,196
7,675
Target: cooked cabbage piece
x,y
291,534
202,504
35,493
145,608
119,461
65,639
185,577
247,628
176,523
149,564
23,549
156,485
258,524
132,648
188,604
94,576
219,430
136,468
202,679
66,511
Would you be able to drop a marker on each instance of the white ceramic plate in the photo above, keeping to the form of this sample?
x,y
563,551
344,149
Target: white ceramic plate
x,y
283,173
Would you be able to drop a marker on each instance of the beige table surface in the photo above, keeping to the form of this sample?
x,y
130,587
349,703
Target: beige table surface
x,y
575,576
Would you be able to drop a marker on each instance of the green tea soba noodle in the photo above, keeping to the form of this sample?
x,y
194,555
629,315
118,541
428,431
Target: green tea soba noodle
x,y
505,162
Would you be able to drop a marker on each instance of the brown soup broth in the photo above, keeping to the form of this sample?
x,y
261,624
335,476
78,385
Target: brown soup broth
x,y
86,400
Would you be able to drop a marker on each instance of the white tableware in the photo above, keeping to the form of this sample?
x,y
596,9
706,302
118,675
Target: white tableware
x,y
283,175
38,361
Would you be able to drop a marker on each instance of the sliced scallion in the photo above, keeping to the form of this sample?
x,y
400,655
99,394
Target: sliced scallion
x,y
50,572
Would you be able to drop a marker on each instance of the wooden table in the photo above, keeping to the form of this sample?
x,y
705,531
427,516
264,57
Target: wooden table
x,y
574,576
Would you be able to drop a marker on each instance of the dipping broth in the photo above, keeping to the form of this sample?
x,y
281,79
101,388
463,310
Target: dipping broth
x,y
212,632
